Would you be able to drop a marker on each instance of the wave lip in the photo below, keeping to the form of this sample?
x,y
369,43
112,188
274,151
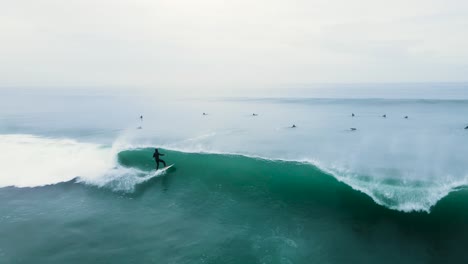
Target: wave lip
x,y
401,195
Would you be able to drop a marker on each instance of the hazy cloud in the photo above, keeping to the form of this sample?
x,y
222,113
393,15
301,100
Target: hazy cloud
x,y
226,45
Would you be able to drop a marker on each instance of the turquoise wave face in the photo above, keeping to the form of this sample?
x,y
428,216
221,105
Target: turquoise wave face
x,y
253,178
290,180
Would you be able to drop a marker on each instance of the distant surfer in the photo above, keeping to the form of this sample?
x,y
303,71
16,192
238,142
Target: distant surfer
x,y
352,114
406,117
204,114
353,129
254,114
293,126
157,159
466,127
384,116
141,119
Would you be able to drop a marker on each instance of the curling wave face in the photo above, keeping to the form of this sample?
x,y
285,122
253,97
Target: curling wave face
x,y
406,196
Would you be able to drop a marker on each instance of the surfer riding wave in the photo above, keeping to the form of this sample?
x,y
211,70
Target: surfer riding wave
x,y
157,159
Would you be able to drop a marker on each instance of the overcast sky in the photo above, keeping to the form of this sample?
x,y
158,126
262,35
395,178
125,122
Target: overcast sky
x,y
212,45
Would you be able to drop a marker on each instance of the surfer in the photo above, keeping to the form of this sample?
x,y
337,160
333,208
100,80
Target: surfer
x,y
406,117
293,126
466,127
254,114
141,119
352,114
384,116
157,159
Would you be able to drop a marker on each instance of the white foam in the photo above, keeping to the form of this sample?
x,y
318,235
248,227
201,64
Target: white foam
x,y
122,179
29,161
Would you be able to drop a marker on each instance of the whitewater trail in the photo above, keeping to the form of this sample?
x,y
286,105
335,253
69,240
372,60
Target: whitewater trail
x,y
32,161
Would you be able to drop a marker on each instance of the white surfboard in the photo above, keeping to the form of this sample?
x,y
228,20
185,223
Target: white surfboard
x,y
165,168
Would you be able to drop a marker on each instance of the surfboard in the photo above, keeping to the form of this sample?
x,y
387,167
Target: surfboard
x,y
166,168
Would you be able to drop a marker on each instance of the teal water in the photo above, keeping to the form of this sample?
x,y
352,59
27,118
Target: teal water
x,y
224,209
77,181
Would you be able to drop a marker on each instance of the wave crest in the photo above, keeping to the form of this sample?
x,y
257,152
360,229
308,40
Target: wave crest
x,y
31,161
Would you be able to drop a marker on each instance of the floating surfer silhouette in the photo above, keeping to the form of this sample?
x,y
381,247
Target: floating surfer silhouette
x,y
141,119
293,126
352,114
157,159
466,127
384,116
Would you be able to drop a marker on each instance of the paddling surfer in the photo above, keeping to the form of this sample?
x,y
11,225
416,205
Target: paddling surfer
x,y
157,159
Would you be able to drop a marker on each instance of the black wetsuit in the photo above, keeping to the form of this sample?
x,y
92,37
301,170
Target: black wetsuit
x,y
157,159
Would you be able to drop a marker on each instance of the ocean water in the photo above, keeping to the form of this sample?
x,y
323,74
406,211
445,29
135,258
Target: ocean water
x,y
78,185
